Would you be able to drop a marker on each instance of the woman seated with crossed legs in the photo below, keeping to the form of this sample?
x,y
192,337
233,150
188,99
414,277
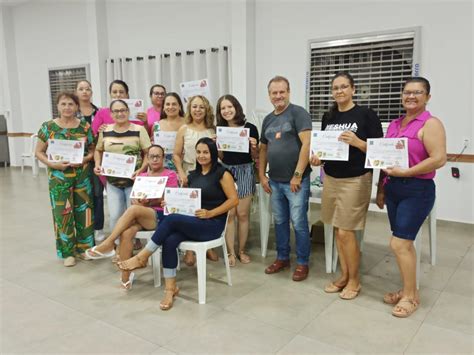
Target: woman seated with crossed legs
x,y
218,196
143,214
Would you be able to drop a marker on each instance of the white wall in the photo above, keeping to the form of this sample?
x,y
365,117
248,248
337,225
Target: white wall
x,y
150,27
283,31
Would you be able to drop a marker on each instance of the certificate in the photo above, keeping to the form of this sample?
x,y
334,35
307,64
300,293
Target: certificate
x,y
118,165
182,200
166,139
193,88
134,106
385,153
65,150
148,187
327,146
232,139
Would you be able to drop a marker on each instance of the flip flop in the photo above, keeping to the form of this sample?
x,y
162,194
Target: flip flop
x,y
333,288
127,286
393,297
99,255
347,294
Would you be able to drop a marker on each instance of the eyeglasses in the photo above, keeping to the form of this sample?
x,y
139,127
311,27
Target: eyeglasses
x,y
122,110
342,87
414,93
153,157
161,94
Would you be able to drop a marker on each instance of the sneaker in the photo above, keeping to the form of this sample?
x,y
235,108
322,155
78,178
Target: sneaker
x,y
69,261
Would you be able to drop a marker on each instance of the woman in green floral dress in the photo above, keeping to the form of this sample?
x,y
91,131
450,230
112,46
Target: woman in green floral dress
x,y
70,188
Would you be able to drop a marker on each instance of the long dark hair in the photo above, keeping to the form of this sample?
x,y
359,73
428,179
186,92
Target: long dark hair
x,y
212,149
239,117
180,103
348,76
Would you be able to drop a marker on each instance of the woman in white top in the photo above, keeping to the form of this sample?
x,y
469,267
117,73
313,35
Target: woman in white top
x,y
199,123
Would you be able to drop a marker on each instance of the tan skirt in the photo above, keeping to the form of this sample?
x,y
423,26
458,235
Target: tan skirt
x,y
345,201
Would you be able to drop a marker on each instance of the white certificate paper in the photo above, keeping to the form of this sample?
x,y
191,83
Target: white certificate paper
x,y
65,150
166,139
233,139
118,165
148,187
193,88
182,200
134,106
385,153
326,146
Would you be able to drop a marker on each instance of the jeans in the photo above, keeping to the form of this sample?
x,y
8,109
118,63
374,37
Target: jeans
x,y
118,200
409,201
176,228
288,205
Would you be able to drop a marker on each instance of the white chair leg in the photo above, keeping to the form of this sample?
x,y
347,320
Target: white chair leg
x,y
432,230
335,255
22,164
34,166
417,244
156,265
201,273
265,218
227,265
328,246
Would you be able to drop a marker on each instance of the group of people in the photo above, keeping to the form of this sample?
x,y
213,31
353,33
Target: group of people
x,y
284,165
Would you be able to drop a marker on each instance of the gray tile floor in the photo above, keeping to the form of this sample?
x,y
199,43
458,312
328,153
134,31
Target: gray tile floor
x,y
47,308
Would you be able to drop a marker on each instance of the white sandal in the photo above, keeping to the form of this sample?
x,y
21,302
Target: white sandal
x,y
127,286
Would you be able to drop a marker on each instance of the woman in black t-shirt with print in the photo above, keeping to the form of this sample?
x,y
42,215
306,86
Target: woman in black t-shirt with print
x,y
347,184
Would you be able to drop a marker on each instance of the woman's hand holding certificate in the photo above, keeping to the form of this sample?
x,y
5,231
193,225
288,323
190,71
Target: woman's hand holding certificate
x,y
182,200
117,165
383,153
327,145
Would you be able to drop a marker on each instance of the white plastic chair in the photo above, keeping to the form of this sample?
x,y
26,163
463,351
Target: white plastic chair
x,y
29,154
200,248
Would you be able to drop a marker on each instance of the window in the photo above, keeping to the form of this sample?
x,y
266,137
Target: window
x,y
379,63
65,79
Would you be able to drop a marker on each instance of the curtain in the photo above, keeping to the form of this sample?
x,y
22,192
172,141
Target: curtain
x,y
171,69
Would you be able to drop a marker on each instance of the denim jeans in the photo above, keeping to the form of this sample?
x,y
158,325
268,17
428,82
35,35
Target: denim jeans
x,y
176,228
118,200
288,205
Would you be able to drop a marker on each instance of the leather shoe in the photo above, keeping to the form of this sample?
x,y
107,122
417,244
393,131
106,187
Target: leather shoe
x,y
301,272
277,266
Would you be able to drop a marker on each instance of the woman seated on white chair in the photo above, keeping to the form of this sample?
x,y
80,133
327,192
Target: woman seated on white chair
x,y
143,214
218,196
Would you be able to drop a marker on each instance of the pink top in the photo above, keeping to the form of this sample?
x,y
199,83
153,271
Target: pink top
x,y
103,116
153,116
171,182
416,149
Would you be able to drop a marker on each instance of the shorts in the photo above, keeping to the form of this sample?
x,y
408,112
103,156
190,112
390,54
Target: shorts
x,y
345,201
244,176
409,201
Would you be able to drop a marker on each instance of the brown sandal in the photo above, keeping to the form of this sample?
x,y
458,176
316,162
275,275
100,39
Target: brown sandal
x,y
333,288
393,297
347,294
405,308
243,258
165,306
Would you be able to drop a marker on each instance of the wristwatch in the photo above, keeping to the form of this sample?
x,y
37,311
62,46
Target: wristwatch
x,y
297,174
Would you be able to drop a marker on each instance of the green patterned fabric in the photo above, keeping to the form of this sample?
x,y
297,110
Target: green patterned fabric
x,y
70,193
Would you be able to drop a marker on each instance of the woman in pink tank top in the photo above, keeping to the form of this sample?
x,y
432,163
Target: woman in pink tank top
x,y
410,193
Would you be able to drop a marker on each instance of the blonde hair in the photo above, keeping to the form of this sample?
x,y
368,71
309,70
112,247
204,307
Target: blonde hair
x,y
208,120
